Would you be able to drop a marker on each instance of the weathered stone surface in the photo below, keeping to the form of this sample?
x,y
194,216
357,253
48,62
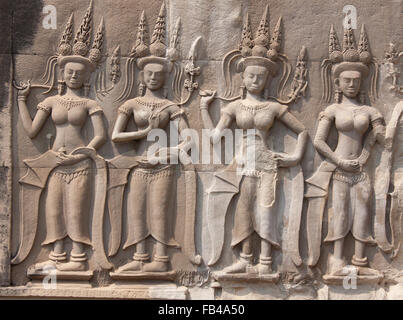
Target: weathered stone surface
x,y
115,225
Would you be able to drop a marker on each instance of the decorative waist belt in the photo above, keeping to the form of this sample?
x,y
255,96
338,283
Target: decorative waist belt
x,y
70,172
350,177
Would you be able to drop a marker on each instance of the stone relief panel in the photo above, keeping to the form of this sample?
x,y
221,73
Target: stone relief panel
x,y
65,169
254,172
171,146
150,180
344,167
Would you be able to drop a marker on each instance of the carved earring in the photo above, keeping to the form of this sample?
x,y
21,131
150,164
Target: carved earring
x,y
61,87
243,91
87,87
337,95
142,89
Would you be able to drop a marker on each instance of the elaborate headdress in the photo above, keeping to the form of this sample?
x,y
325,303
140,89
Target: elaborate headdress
x,y
81,47
260,51
157,51
158,48
264,51
349,58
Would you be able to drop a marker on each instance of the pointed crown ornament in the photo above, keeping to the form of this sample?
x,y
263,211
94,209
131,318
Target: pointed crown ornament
x,y
157,51
82,43
349,57
261,51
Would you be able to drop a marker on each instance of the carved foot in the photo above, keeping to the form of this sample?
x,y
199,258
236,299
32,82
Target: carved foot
x,y
264,266
336,265
264,269
131,266
71,266
45,265
242,266
160,264
364,271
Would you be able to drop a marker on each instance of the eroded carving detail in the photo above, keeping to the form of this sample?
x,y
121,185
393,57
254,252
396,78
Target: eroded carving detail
x,y
151,180
388,178
391,59
255,181
344,168
65,170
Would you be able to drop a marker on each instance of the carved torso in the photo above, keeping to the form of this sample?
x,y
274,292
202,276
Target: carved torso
x,y
351,122
69,116
142,109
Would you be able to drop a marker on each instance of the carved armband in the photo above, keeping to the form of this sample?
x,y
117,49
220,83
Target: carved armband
x,y
44,107
95,110
124,110
324,116
177,114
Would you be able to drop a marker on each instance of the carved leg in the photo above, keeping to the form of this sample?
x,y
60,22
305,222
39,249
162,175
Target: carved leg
x,y
265,261
245,260
341,191
161,260
77,260
139,258
361,223
359,259
58,255
161,192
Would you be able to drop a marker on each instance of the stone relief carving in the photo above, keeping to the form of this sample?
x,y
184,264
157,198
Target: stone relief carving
x,y
77,187
65,170
343,174
151,180
114,74
254,182
388,178
391,59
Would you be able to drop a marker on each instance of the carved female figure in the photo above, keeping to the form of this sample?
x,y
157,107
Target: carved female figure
x,y
67,166
389,174
256,184
149,201
353,119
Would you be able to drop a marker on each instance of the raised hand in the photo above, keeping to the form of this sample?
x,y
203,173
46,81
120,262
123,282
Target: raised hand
x,y
207,97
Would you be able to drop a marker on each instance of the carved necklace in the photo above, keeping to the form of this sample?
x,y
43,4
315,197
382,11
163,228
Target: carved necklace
x,y
254,108
70,103
150,104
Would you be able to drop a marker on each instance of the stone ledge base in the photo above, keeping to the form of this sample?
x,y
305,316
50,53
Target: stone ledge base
x,y
156,292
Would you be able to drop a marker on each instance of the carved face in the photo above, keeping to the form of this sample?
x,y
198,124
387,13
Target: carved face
x,y
349,82
154,76
255,78
75,74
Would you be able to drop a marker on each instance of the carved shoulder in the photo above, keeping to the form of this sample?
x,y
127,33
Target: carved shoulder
x,y
230,109
375,115
47,104
329,112
279,108
175,112
128,107
93,107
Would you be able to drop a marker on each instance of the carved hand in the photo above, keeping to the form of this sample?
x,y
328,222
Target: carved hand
x,y
69,159
154,121
285,160
25,92
207,97
349,165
